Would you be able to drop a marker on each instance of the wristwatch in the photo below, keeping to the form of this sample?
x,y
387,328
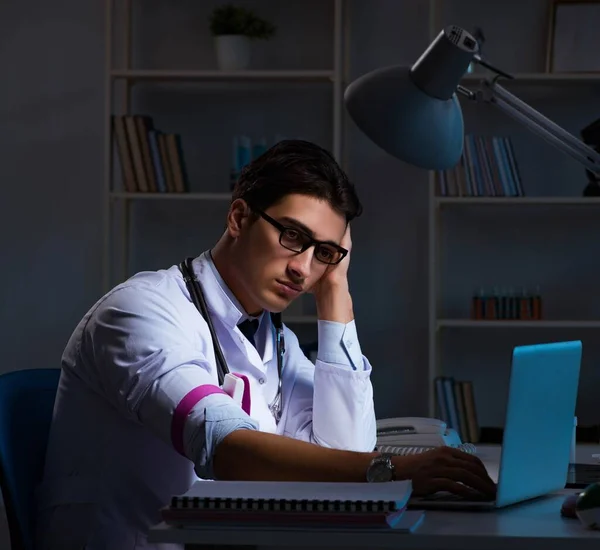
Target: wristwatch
x,y
381,469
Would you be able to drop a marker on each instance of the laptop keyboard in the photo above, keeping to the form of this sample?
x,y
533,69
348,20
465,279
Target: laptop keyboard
x,y
582,475
444,496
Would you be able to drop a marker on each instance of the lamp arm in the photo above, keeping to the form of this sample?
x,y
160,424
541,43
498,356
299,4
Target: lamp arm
x,y
540,125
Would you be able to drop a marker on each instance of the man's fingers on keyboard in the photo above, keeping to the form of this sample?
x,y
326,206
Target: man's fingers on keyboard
x,y
443,484
475,465
468,457
469,479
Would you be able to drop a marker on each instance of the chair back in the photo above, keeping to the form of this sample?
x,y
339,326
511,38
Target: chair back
x,y
26,406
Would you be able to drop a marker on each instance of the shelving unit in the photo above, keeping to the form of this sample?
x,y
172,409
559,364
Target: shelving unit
x,y
120,79
525,85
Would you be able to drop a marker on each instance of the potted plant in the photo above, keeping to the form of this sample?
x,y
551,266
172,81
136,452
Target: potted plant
x,y
233,28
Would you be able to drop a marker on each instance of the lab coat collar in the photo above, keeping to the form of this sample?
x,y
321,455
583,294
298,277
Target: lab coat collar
x,y
224,305
219,299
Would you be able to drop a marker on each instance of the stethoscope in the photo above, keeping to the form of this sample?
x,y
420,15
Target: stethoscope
x,y
197,296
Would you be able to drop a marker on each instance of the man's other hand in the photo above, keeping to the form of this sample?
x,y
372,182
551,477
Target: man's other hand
x,y
446,469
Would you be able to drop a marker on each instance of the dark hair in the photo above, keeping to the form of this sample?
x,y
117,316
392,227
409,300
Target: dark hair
x,y
297,167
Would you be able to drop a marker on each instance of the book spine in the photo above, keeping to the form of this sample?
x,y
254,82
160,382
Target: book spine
x,y
124,151
161,182
136,153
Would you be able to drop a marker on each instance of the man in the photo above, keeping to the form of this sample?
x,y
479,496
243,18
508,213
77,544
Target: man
x,y
140,411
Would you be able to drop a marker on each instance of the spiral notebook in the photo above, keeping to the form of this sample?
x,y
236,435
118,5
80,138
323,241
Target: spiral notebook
x,y
294,504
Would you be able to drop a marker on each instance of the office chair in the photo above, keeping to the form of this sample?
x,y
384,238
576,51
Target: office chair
x,y
26,405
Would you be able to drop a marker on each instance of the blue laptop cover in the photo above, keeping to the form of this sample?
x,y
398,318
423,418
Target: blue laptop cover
x,y
539,420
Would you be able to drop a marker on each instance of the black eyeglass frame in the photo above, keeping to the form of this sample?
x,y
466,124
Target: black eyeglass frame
x,y
309,240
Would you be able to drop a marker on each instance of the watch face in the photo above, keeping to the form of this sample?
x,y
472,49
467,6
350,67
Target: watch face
x,y
379,471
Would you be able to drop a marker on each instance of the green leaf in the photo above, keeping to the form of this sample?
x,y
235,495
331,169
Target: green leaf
x,y
230,19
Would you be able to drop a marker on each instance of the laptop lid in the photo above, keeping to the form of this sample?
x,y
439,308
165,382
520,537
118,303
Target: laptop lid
x,y
539,420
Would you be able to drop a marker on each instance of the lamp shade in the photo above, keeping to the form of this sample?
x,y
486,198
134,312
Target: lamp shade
x,y
409,124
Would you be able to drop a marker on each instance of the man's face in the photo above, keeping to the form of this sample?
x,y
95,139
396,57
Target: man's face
x,y
270,275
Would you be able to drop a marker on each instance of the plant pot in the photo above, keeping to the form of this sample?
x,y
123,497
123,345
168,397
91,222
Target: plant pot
x,y
233,52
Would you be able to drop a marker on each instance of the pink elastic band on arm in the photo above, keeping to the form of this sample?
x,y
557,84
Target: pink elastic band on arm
x,y
183,410
246,403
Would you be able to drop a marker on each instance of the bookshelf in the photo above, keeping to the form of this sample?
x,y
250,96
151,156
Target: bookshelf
x,y
449,334
125,74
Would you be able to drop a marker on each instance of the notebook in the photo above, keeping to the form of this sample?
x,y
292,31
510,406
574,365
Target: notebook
x,y
294,503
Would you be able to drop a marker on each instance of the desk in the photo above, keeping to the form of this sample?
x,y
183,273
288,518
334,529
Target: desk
x,y
525,526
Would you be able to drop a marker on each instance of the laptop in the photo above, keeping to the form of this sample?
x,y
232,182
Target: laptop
x,y
538,428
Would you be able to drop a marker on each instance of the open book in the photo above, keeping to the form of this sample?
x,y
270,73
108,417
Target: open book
x,y
291,503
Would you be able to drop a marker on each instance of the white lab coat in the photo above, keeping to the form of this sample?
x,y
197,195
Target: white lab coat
x,y
111,464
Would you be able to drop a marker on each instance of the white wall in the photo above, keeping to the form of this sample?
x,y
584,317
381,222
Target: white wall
x,y
51,102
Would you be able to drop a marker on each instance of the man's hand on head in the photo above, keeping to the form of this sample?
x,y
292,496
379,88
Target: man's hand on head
x,y
331,291
337,275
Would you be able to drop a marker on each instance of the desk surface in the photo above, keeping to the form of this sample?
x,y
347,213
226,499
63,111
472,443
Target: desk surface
x,y
518,527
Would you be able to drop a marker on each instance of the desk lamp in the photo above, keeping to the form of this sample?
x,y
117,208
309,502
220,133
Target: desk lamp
x,y
413,113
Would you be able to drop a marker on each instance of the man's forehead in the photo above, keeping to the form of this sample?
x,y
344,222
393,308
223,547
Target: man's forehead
x,y
313,215
318,231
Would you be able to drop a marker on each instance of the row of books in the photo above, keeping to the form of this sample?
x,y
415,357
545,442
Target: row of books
x,y
151,161
456,406
526,305
487,168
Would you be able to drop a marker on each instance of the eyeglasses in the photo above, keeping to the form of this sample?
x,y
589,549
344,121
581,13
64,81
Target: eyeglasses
x,y
296,240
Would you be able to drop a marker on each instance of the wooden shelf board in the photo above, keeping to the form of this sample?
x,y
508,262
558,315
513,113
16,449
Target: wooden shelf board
x,y
216,76
172,196
473,323
558,201
536,78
